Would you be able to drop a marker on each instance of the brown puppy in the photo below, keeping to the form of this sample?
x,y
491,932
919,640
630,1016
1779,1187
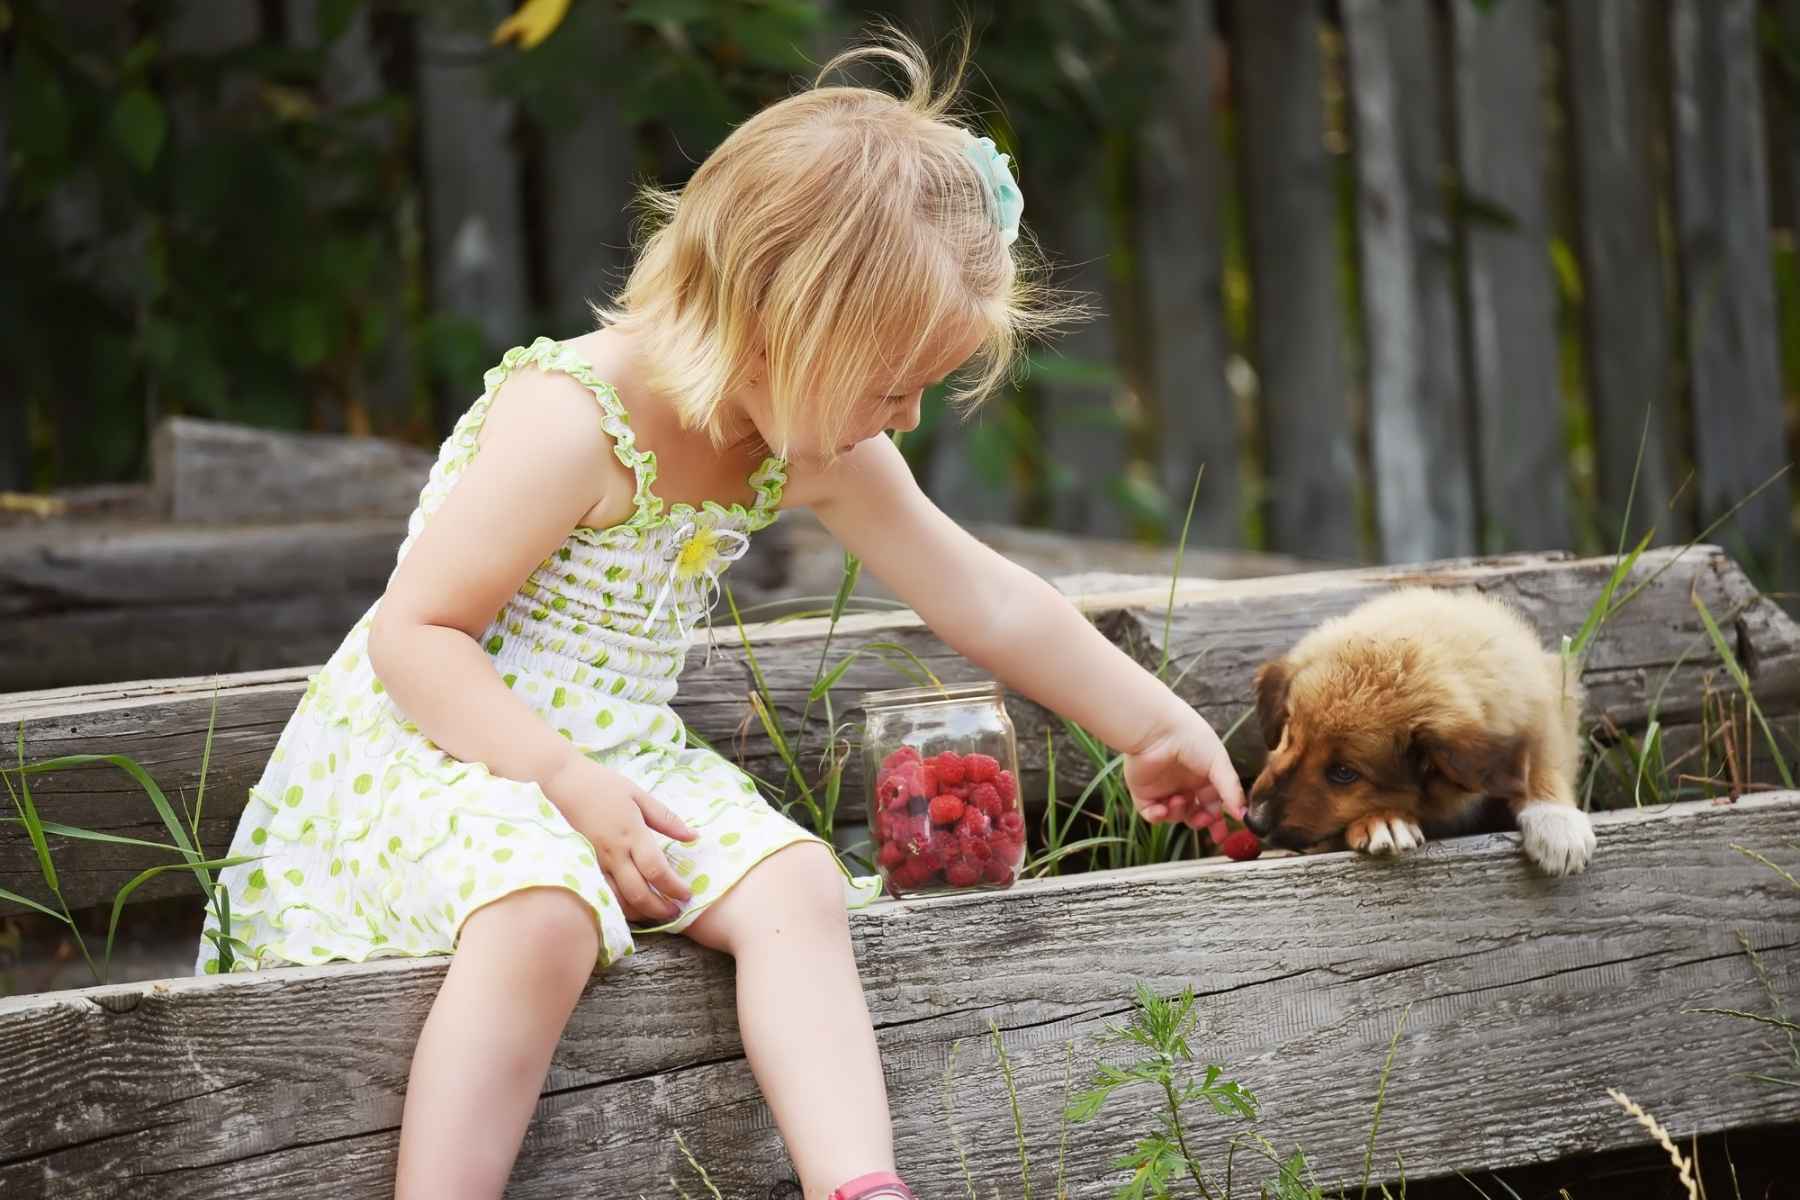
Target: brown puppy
x,y
1405,714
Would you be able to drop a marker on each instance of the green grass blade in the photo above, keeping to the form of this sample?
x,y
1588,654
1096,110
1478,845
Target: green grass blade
x,y
90,835
28,903
1043,861
1743,681
142,877
34,828
212,721
1175,578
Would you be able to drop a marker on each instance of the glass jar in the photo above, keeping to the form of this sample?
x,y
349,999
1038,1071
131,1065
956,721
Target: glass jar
x,y
943,788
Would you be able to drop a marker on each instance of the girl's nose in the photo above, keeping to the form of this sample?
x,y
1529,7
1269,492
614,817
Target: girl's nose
x,y
908,420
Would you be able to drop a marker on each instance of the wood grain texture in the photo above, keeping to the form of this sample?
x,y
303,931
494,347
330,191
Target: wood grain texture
x,y
1419,417
1613,112
1523,1000
1502,147
1722,211
1181,264
1290,213
101,601
218,472
1219,633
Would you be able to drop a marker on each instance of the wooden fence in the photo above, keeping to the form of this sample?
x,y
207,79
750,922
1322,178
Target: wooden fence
x,y
1464,227
1422,410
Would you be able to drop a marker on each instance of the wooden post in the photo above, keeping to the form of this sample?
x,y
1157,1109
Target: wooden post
x,y
589,173
1180,259
1502,156
379,385
474,228
1728,291
1612,107
1418,412
1290,198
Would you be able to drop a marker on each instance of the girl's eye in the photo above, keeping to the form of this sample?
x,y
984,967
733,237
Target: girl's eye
x,y
1339,774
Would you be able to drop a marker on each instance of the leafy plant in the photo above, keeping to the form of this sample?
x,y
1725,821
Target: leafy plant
x,y
186,841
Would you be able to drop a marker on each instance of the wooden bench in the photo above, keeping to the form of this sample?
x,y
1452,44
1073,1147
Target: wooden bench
x,y
1653,653
1523,997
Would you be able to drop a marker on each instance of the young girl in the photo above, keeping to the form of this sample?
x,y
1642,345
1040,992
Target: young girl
x,y
489,766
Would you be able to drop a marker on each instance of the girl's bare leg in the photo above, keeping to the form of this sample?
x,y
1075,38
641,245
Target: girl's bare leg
x,y
518,970
805,1024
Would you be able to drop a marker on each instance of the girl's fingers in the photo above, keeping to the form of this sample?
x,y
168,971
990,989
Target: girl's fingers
x,y
662,818
654,866
635,895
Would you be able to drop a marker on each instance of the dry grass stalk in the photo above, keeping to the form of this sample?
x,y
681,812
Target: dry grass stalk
x,y
1662,1137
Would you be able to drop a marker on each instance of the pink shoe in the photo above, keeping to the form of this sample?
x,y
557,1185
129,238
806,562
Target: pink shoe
x,y
882,1185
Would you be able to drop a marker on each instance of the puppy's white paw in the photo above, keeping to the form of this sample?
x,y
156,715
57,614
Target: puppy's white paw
x,y
1384,833
1558,837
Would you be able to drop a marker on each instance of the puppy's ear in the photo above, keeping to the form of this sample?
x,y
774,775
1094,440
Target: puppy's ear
x,y
1271,700
1474,761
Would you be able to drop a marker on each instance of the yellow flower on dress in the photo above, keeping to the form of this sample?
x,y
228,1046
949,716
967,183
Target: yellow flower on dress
x,y
698,554
535,21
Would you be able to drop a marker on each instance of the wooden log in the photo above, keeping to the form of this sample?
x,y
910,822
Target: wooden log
x,y
1418,406
1722,210
1219,633
102,601
1543,992
1290,206
1181,273
1630,377
113,601
217,472
1502,160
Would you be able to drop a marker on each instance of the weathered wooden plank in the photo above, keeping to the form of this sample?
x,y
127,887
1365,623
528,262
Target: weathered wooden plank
x,y
475,232
124,601
1181,272
97,602
1722,211
1613,111
1543,992
1502,159
1418,408
1219,634
1290,207
215,471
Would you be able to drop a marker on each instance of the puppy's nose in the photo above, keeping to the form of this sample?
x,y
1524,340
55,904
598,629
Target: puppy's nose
x,y
1260,819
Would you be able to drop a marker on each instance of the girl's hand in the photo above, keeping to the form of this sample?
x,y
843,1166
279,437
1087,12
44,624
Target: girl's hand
x,y
617,816
1184,774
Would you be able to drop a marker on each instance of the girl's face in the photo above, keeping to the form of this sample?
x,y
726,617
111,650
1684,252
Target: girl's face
x,y
886,404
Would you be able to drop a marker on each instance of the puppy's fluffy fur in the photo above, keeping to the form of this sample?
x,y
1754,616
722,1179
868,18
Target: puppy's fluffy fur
x,y
1408,714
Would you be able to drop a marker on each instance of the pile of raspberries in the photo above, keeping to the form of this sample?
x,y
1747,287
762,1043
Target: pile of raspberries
x,y
951,820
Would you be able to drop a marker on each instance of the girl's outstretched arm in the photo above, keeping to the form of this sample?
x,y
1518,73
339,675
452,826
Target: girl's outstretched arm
x,y
1032,638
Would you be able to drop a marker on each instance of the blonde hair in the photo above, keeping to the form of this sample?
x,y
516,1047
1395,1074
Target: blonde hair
x,y
835,229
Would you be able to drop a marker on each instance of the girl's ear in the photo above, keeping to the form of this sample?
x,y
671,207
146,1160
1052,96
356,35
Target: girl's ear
x,y
1271,700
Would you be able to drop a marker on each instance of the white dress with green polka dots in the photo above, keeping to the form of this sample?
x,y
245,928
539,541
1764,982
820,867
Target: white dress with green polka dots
x,y
374,842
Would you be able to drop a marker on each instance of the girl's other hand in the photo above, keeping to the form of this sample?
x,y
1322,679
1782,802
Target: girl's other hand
x,y
1185,775
617,816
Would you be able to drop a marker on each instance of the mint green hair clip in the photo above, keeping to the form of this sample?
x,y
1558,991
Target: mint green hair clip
x,y
996,176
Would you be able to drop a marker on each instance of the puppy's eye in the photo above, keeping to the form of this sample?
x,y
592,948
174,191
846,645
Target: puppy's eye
x,y
1339,774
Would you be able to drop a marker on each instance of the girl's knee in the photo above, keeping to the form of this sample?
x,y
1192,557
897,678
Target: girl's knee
x,y
546,927
810,884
